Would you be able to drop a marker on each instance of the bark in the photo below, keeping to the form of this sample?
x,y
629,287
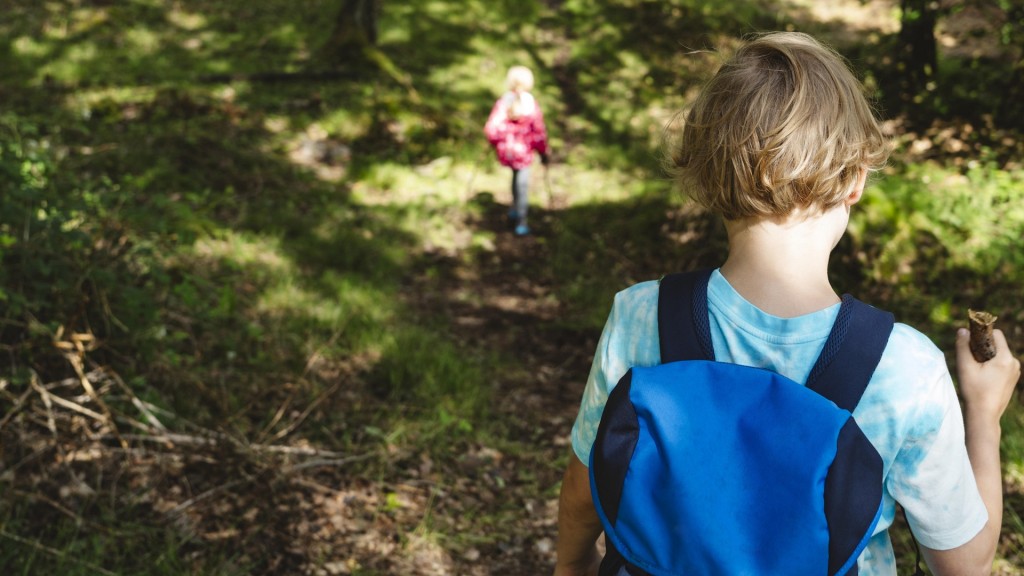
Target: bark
x,y
917,38
355,24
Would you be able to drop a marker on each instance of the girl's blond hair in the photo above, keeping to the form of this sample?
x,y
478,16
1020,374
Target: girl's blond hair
x,y
519,79
783,125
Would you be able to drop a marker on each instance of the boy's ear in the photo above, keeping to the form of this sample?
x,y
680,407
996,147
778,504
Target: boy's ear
x,y
858,188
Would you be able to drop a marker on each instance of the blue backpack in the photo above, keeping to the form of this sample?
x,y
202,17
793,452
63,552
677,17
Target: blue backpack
x,y
705,468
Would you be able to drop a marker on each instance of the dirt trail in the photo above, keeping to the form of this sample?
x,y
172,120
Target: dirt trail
x,y
502,302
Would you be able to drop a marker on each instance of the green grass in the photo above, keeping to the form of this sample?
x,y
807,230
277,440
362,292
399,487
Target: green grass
x,y
67,546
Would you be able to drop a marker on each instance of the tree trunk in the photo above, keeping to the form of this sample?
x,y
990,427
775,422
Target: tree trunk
x,y
355,25
917,39
353,44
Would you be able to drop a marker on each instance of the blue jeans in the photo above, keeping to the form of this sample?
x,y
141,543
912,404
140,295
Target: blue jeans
x,y
520,201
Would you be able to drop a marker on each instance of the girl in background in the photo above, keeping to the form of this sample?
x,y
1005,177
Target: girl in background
x,y
516,130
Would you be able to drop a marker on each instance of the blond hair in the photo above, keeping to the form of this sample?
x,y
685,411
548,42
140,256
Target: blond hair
x,y
519,79
783,125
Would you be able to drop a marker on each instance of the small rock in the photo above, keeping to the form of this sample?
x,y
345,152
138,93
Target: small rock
x,y
544,546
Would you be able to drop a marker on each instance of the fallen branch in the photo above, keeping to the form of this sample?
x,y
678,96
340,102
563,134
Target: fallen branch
x,y
323,463
76,363
50,422
58,507
50,399
154,421
305,413
181,508
18,405
310,362
215,439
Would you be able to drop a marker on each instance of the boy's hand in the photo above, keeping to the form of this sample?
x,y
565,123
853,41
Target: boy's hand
x,y
986,387
591,569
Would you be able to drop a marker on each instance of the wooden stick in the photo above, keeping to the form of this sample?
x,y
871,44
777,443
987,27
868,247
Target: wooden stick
x,y
981,344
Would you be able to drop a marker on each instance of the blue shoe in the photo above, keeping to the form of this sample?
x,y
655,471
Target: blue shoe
x,y
522,230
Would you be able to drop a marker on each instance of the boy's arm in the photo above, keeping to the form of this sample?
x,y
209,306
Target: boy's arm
x,y
578,524
986,389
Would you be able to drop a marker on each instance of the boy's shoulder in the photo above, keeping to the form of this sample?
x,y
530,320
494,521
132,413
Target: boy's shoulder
x,y
639,293
638,302
906,336
912,357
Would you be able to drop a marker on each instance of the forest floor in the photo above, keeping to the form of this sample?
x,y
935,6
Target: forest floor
x,y
273,508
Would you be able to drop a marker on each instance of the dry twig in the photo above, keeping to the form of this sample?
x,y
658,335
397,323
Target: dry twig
x,y
18,405
154,421
310,362
50,399
50,422
214,439
76,363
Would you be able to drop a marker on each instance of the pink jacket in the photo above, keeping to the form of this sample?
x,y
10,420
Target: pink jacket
x,y
515,140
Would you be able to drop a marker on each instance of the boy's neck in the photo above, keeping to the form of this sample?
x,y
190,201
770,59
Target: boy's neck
x,y
781,265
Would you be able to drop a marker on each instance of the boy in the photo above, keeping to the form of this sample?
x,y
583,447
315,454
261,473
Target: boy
x,y
780,143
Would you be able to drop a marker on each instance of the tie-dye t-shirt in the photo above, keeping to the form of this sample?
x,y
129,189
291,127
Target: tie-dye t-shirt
x,y
909,411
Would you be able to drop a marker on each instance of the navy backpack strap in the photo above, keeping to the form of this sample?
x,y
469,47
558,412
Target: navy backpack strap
x,y
853,489
842,371
683,327
851,353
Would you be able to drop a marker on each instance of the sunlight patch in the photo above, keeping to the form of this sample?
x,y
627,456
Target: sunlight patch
x,y
28,47
76,58
186,20
1014,475
243,251
856,15
142,41
289,298
338,303
77,22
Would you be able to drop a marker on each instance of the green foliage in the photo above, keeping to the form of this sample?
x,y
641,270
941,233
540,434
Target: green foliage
x,y
62,260
927,213
932,242
68,547
35,220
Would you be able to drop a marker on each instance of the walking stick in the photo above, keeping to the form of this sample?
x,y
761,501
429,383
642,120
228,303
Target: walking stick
x,y
547,185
